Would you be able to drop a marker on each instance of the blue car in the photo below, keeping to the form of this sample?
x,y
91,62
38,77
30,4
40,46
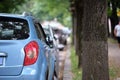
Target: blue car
x,y
54,48
24,50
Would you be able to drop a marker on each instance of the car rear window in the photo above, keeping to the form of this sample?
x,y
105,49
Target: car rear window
x,y
13,28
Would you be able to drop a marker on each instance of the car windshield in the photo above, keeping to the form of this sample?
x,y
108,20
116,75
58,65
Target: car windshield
x,y
13,28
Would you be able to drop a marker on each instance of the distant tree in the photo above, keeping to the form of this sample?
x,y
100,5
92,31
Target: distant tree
x,y
78,30
76,9
74,21
94,41
7,6
48,10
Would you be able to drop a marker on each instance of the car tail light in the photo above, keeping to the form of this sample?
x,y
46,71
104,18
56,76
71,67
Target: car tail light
x,y
31,53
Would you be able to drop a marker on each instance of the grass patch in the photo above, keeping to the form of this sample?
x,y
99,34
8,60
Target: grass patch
x,y
112,73
112,40
77,73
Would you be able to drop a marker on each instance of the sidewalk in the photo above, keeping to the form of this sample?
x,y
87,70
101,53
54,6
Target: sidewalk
x,y
67,67
114,57
114,53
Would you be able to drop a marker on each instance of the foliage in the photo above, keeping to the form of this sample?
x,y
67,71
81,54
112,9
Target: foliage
x,y
48,10
7,6
109,11
77,73
116,3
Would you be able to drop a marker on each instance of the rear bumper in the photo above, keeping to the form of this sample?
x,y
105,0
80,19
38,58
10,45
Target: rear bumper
x,y
29,73
21,77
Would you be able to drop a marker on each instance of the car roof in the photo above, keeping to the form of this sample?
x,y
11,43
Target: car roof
x,y
14,15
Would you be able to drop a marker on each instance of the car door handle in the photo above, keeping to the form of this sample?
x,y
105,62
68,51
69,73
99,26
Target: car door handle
x,y
3,54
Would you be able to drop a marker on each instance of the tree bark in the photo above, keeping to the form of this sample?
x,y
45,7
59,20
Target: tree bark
x,y
94,41
72,29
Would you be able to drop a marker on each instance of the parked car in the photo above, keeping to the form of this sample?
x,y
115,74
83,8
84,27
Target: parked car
x,y
54,46
49,31
61,34
24,50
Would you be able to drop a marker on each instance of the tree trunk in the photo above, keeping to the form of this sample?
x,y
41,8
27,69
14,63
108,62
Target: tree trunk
x,y
76,29
74,23
72,29
79,14
94,41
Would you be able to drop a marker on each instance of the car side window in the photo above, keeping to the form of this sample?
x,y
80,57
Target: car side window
x,y
40,32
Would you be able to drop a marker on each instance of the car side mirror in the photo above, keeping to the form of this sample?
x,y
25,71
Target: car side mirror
x,y
49,41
